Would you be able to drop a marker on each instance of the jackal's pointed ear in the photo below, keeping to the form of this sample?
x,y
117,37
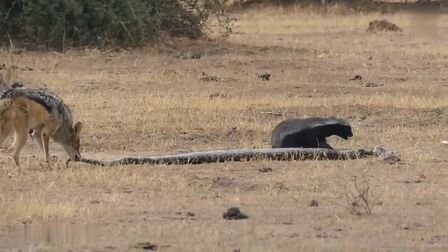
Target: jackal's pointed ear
x,y
77,129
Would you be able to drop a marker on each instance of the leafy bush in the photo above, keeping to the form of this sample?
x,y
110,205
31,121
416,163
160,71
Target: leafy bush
x,y
60,23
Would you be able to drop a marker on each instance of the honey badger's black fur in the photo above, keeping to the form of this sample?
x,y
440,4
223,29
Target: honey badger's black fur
x,y
309,132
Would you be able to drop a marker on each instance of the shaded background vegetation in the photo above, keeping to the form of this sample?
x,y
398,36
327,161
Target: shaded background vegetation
x,y
56,24
60,23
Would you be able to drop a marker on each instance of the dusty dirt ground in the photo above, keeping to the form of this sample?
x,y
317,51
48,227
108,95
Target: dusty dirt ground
x,y
205,95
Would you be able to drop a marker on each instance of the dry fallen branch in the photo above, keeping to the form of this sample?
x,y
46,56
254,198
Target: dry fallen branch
x,y
359,200
245,154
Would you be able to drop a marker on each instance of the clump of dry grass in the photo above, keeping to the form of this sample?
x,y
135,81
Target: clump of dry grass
x,y
292,20
23,210
359,198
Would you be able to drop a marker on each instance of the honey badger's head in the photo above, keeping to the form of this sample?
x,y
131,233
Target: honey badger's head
x,y
341,129
333,126
345,132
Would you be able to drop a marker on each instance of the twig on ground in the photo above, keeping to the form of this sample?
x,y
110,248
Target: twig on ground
x,y
358,200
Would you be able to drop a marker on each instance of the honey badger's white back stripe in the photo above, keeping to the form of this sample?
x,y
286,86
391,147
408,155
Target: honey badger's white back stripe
x,y
327,121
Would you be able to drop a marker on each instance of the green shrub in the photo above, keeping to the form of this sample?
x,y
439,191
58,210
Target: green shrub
x,y
60,23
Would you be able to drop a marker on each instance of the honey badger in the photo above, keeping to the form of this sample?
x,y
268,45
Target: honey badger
x,y
309,132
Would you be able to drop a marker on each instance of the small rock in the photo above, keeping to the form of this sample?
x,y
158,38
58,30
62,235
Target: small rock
x,y
217,95
190,214
17,84
146,246
382,25
280,187
392,159
264,76
413,226
209,78
356,77
234,213
371,84
170,73
223,182
195,56
314,203
265,169
438,238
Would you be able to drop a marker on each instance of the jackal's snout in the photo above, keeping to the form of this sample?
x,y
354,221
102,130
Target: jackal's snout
x,y
70,140
73,152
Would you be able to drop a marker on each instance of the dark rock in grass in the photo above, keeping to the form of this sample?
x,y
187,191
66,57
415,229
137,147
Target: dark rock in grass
x,y
234,213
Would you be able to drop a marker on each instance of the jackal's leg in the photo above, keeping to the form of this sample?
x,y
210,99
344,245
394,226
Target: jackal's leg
x,y
50,128
21,134
37,136
5,131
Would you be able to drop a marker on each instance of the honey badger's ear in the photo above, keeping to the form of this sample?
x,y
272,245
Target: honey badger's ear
x,y
77,129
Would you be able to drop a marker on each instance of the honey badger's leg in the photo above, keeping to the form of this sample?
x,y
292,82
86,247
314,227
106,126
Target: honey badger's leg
x,y
323,143
50,127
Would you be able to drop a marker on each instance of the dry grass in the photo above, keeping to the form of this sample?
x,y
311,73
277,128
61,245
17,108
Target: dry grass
x,y
148,102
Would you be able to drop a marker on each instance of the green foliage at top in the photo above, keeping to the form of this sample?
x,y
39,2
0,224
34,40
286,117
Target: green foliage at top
x,y
61,23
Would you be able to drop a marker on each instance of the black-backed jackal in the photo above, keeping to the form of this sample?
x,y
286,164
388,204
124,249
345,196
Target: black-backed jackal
x,y
43,115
